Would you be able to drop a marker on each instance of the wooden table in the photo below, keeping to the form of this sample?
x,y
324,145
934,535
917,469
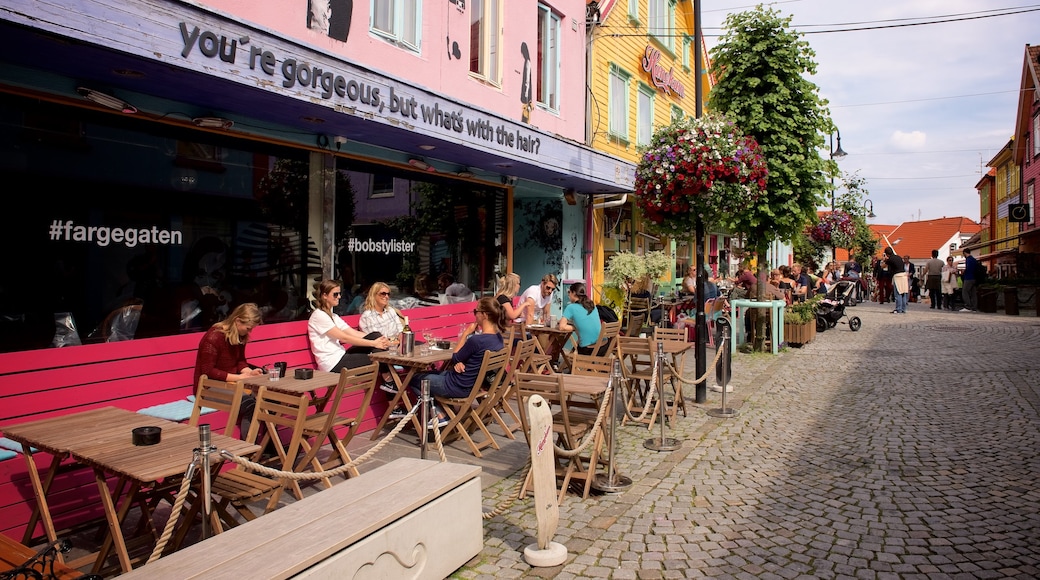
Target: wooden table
x,y
322,382
102,439
411,364
551,341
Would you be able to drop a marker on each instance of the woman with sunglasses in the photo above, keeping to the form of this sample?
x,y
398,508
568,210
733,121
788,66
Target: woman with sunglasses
x,y
328,333
460,374
378,315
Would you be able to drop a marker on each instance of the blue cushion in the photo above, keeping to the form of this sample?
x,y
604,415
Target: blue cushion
x,y
13,446
174,410
5,454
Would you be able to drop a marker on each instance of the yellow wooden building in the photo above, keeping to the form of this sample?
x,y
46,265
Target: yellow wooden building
x,y
641,75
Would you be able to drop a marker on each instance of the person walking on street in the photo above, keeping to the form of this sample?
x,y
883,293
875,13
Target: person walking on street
x,y
900,281
933,269
884,281
968,292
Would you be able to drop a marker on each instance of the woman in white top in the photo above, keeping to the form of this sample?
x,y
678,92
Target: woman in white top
x,y
378,315
328,333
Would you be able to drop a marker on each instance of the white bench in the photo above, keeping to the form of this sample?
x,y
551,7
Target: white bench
x,y
410,518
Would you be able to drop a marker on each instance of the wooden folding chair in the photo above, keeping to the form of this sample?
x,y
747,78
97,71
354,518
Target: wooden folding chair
x,y
637,368
678,363
321,427
235,488
637,312
521,359
466,415
277,410
567,434
635,325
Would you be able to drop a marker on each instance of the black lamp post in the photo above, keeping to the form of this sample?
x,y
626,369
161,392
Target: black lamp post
x,y
869,206
835,154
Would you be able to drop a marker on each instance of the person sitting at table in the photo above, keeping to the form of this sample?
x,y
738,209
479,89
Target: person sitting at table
x,y
380,318
222,355
508,287
422,290
328,333
541,295
460,374
582,318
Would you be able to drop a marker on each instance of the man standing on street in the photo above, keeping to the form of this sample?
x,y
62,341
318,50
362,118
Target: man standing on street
x,y
900,283
968,278
933,280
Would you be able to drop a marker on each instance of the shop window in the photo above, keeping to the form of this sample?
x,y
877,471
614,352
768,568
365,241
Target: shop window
x,y
398,21
548,69
485,40
619,81
382,186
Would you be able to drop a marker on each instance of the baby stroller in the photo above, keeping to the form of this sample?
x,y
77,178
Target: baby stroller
x,y
832,307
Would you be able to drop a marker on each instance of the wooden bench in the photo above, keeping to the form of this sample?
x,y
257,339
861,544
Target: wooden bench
x,y
408,519
137,374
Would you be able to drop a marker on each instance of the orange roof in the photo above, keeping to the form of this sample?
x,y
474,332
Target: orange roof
x,y
918,239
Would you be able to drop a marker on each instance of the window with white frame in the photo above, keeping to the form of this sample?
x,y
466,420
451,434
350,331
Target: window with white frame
x,y
644,115
660,21
633,10
619,81
484,39
1036,132
548,64
687,46
1029,201
398,21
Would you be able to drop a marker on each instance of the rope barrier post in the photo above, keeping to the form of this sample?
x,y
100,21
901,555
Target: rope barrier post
x,y
424,415
723,370
613,482
662,443
205,448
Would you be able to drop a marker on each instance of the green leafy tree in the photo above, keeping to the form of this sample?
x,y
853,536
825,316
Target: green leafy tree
x,y
763,69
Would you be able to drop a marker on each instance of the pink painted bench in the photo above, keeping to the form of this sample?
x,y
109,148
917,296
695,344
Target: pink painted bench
x,y
133,375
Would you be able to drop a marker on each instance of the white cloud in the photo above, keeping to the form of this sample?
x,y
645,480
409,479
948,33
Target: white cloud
x,y
912,141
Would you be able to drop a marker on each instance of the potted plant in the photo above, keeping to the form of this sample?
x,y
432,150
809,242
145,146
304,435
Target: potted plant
x,y
800,321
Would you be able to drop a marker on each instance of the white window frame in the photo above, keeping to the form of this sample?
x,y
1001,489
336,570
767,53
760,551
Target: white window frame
x,y
1036,133
547,59
620,81
633,10
660,22
489,61
402,25
1029,197
644,114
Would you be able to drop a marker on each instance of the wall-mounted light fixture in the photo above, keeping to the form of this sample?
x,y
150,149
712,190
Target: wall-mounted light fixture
x,y
509,180
464,173
569,196
106,100
421,165
213,122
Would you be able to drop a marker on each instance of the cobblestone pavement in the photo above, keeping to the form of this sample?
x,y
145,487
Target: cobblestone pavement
x,y
908,449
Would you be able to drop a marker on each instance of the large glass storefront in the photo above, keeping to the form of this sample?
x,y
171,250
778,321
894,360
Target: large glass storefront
x,y
121,227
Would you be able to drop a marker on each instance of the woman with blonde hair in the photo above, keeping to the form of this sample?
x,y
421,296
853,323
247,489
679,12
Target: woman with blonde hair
x,y
328,333
222,350
378,316
508,287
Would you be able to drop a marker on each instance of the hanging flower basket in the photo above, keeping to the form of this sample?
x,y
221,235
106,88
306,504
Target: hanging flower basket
x,y
694,169
835,229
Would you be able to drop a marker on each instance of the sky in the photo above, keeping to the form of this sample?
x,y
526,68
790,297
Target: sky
x,y
921,109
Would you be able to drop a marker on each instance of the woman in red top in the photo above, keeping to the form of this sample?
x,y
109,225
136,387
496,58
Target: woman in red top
x,y
222,350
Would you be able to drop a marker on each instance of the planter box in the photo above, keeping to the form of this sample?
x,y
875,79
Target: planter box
x,y
801,333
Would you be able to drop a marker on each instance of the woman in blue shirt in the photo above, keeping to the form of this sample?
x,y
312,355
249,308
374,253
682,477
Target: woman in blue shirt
x,y
581,317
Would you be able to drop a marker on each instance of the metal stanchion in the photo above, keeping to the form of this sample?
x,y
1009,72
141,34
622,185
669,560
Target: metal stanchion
x,y
663,443
425,412
722,372
613,482
205,448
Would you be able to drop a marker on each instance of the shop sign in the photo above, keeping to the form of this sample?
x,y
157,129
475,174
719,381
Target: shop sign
x,y
664,80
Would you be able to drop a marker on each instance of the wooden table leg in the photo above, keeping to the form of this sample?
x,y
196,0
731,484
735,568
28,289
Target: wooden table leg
x,y
40,488
115,521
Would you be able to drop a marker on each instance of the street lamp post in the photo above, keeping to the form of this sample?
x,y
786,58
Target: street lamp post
x,y
869,206
835,154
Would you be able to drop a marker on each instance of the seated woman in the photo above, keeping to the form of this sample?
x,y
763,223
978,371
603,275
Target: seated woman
x,y
222,355
460,374
582,318
422,290
379,318
508,288
328,333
